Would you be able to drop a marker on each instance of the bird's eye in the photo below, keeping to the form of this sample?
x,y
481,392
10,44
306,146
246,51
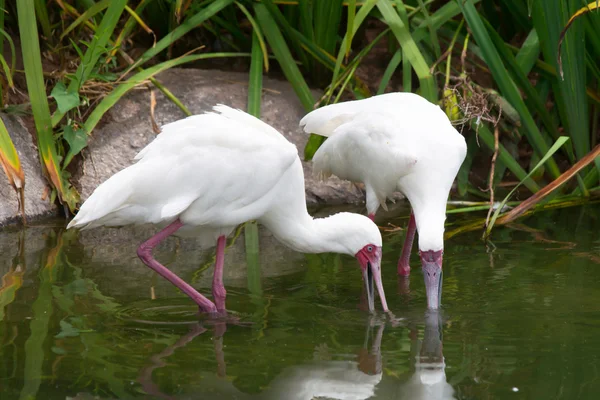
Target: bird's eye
x,y
370,249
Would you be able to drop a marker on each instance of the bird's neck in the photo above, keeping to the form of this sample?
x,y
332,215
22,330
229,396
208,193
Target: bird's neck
x,y
304,233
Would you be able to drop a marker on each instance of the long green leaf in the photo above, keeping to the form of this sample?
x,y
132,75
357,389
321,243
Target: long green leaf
x,y
411,51
350,25
488,139
42,15
11,164
13,52
89,13
569,94
254,104
520,76
255,78
139,78
259,36
432,31
361,15
189,24
389,71
39,103
529,52
505,83
96,48
283,56
559,142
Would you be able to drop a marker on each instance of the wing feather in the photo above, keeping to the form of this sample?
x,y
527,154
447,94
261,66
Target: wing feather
x,y
207,169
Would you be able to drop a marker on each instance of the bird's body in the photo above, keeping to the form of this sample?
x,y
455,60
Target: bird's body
x,y
206,174
396,142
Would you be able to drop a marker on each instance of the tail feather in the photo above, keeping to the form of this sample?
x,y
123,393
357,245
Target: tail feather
x,y
108,198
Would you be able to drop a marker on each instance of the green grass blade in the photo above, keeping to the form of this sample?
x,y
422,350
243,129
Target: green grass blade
x,y
432,31
306,19
487,138
561,140
11,164
283,56
89,13
533,99
254,103
42,15
350,25
529,52
411,51
98,46
252,258
505,83
327,16
169,95
257,34
129,25
189,24
462,178
361,15
39,103
389,71
288,31
13,52
139,78
255,78
570,94
2,10
7,71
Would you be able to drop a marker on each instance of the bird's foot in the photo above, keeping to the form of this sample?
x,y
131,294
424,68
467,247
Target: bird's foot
x,y
395,321
217,317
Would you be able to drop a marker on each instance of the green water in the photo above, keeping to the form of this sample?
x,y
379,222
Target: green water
x,y
81,317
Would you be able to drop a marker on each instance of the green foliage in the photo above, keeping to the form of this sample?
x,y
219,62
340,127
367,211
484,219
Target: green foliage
x,y
509,77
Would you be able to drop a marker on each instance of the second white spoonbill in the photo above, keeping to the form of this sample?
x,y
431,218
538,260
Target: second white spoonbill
x,y
395,142
206,174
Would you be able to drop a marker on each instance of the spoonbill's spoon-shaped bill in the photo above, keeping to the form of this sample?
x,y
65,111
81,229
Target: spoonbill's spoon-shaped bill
x,y
395,142
206,174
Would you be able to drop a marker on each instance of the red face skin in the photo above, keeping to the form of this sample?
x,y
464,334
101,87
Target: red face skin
x,y
369,258
431,262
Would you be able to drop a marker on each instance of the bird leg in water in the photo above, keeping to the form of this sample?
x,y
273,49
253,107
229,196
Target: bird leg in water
x,y
218,288
144,252
403,263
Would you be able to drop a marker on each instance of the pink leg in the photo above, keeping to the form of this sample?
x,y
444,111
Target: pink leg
x,y
144,252
218,288
403,263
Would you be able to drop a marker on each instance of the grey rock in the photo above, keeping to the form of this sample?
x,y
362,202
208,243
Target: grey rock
x,y
128,128
35,183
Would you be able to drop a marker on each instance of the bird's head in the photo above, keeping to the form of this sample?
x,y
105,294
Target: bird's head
x,y
369,258
431,262
357,235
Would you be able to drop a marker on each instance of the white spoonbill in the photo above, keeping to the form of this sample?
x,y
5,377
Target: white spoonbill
x,y
395,142
206,174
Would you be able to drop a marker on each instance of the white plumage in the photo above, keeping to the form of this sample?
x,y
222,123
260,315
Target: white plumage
x,y
393,142
206,174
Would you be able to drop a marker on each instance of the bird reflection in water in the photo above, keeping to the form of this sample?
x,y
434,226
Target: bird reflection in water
x,y
333,379
357,379
429,378
157,360
339,380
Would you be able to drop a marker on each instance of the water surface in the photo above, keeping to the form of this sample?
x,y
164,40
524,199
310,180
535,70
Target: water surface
x,y
81,317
